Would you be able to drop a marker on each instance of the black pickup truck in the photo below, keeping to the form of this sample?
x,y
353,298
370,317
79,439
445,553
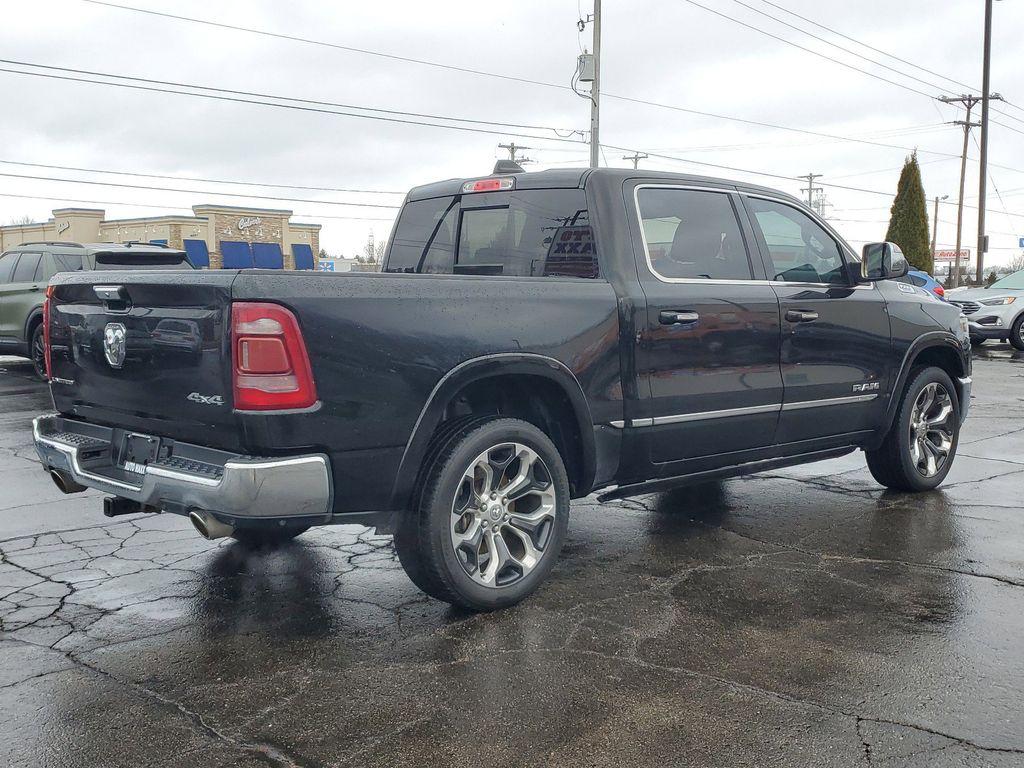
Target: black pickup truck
x,y
533,338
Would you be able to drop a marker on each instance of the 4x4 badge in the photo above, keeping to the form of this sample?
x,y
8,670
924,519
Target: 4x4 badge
x,y
195,397
114,344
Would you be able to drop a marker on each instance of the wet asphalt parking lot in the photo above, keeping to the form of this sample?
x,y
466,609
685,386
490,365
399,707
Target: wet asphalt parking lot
x,y
804,617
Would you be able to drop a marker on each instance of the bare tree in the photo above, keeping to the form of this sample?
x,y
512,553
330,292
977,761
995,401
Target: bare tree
x,y
21,220
1016,263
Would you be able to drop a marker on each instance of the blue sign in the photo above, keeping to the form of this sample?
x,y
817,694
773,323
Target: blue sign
x,y
1020,242
326,265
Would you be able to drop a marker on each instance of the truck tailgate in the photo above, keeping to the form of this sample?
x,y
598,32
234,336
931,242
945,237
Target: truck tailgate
x,y
148,351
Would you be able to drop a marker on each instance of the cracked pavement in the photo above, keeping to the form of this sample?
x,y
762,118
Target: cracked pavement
x,y
803,617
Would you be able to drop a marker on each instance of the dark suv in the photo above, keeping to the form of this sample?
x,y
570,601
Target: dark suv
x,y
26,269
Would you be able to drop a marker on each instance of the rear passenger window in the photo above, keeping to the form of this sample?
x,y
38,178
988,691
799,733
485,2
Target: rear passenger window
x,y
7,266
525,233
66,262
801,250
692,234
25,272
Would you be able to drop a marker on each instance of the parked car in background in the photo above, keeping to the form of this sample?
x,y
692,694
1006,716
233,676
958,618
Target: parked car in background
x,y
534,337
926,281
995,311
26,269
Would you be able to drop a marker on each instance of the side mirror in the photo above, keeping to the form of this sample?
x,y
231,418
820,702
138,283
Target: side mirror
x,y
882,261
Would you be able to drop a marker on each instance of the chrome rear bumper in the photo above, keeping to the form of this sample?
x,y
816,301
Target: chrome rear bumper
x,y
191,477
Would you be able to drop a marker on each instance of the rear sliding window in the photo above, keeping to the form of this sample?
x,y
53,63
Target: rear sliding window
x,y
525,233
121,260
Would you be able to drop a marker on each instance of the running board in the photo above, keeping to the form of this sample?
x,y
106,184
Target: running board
x,y
753,467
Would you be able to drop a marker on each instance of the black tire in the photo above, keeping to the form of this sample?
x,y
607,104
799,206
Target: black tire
x,y
1017,333
977,341
424,536
37,350
892,464
267,538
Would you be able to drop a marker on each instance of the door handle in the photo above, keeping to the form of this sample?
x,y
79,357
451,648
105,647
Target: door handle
x,y
675,317
801,316
34,289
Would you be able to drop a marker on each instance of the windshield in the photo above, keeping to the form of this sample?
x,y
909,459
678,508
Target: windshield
x,y
1014,282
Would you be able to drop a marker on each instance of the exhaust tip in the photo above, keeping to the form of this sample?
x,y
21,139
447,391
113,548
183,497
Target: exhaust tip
x,y
208,526
64,482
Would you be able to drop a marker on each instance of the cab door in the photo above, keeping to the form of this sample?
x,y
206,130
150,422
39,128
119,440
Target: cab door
x,y
836,342
708,358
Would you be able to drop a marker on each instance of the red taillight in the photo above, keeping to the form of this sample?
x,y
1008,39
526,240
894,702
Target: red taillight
x,y
938,290
489,185
46,329
270,365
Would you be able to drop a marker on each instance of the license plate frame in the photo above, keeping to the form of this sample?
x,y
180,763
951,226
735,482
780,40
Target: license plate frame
x,y
137,451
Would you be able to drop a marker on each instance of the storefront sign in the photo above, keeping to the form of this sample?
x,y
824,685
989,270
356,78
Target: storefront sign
x,y
248,222
63,227
950,256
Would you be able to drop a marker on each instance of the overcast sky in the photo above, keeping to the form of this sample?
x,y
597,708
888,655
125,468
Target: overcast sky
x,y
667,51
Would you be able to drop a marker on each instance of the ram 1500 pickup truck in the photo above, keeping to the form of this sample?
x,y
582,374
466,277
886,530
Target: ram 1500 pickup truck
x,y
533,338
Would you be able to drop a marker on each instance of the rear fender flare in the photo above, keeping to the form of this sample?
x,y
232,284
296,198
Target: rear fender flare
x,y
484,367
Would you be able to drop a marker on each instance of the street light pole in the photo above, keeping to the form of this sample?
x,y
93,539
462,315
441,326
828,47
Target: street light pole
x,y
595,91
935,228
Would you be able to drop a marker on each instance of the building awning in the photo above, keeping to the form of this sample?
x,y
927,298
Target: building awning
x,y
236,254
303,254
267,256
198,253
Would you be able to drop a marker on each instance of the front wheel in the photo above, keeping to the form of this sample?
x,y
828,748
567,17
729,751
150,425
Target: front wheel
x,y
1017,333
491,518
918,452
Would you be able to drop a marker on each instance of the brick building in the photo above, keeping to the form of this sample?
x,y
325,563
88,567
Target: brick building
x,y
216,236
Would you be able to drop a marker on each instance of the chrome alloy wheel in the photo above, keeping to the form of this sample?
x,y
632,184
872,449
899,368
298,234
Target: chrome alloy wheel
x,y
503,514
931,429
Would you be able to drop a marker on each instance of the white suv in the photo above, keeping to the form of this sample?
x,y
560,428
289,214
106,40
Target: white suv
x,y
995,312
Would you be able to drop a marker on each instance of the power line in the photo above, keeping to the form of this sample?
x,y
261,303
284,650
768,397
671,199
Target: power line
x,y
839,47
173,207
811,51
204,180
195,191
870,47
338,46
217,96
487,73
884,53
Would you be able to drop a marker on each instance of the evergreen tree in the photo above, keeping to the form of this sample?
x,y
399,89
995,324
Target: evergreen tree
x,y
908,222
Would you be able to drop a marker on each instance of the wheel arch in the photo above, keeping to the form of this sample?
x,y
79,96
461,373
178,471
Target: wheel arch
x,y
939,349
499,379
35,317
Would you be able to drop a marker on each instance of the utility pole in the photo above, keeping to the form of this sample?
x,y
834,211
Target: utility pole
x,y
636,157
968,101
595,90
513,148
935,225
983,147
809,189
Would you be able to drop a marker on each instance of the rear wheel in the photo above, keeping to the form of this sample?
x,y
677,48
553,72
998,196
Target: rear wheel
x,y
37,350
1017,333
260,538
491,517
918,452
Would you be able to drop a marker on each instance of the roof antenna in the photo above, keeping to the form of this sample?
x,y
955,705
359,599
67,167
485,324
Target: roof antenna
x,y
508,166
